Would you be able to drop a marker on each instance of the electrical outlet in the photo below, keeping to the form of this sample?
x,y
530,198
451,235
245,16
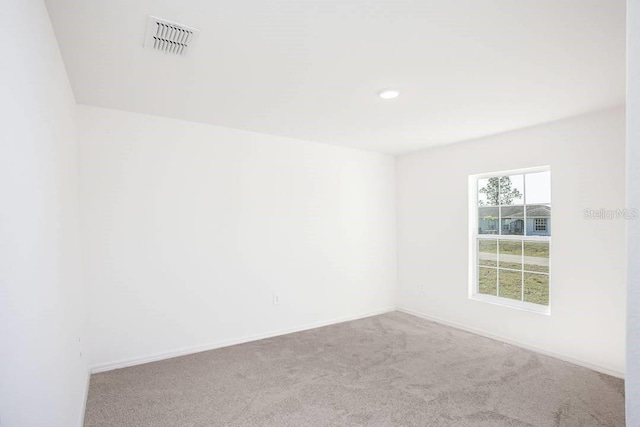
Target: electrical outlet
x,y
276,299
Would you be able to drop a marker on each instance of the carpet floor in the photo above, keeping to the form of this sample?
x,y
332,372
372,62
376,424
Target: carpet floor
x,y
387,370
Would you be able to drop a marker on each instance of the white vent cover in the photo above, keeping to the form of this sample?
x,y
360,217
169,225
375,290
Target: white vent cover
x,y
168,37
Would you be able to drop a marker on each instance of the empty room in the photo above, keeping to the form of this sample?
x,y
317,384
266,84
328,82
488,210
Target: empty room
x,y
315,213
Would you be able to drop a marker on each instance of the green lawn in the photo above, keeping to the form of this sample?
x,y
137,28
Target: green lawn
x,y
536,286
511,247
540,249
514,248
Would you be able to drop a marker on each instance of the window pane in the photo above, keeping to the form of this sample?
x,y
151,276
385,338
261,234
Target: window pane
x,y
511,284
483,192
510,254
536,288
512,220
488,252
489,191
536,256
512,190
487,281
488,220
538,187
503,190
538,220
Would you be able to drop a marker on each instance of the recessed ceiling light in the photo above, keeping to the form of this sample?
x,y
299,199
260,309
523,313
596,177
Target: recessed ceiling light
x,y
388,93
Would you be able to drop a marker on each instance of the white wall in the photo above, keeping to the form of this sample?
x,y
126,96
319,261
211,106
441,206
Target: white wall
x,y
633,201
189,229
587,156
42,376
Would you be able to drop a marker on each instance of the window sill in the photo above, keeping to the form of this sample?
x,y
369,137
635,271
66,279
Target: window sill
x,y
518,305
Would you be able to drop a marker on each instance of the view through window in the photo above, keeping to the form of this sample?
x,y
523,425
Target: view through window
x,y
512,238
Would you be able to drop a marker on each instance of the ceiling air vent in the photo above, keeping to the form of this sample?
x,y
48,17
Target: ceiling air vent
x,y
169,37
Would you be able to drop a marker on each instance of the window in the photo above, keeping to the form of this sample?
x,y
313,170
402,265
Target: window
x,y
541,224
510,238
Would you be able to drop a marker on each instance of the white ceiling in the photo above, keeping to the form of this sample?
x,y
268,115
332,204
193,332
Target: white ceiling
x,y
311,69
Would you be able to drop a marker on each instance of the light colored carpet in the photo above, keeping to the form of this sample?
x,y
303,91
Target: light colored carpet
x,y
388,370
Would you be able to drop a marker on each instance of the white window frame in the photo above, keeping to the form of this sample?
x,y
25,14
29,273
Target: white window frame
x,y
474,237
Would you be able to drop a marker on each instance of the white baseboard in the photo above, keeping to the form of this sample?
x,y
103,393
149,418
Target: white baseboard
x,y
109,366
226,343
525,346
